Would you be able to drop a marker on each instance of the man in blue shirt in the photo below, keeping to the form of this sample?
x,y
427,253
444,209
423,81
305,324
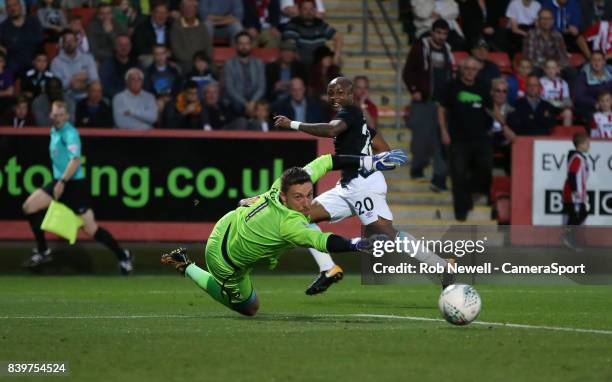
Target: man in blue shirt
x,y
69,187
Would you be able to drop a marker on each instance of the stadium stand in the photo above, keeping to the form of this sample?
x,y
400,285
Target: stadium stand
x,y
377,62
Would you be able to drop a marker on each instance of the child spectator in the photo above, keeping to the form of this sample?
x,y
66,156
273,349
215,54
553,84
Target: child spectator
x,y
261,117
601,125
20,115
201,72
186,112
575,197
516,81
34,80
52,19
161,78
556,91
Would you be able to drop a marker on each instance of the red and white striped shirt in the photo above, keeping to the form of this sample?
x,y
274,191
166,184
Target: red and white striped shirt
x,y
599,35
601,125
574,189
555,91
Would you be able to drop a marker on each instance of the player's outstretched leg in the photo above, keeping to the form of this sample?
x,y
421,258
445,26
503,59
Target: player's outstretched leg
x,y
207,282
385,227
431,258
330,273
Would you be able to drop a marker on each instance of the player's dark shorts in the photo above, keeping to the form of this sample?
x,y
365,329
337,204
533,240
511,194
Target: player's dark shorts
x,y
575,213
75,196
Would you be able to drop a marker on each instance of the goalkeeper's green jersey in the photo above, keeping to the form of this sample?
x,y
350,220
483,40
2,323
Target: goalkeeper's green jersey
x,y
265,229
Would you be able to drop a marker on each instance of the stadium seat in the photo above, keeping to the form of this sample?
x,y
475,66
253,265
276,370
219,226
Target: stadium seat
x,y
502,209
222,54
86,14
51,50
567,131
576,60
221,41
267,55
500,198
500,186
502,60
458,57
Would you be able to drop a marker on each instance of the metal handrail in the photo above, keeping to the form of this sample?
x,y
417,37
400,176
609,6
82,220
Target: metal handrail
x,y
398,52
398,66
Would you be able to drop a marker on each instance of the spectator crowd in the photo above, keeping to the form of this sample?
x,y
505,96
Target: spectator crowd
x,y
152,64
466,113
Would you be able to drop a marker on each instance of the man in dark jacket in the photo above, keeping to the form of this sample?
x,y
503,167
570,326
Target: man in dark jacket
x,y
280,72
94,111
151,31
20,36
298,107
427,70
532,115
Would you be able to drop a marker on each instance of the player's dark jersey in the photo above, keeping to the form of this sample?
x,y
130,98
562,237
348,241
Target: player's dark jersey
x,y
355,140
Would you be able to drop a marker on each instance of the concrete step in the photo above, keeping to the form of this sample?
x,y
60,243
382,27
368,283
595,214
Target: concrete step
x,y
384,99
357,48
405,224
355,12
361,62
405,184
375,39
348,25
436,212
427,198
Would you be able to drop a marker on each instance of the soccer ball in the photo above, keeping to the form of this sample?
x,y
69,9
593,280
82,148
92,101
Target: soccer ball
x,y
459,304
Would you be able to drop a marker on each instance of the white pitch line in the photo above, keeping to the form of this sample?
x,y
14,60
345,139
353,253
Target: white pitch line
x,y
134,317
362,315
484,323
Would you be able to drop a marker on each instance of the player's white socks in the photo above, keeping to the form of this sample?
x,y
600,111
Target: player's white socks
x,y
323,259
427,257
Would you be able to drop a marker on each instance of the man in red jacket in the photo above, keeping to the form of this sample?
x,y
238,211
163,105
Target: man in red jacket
x,y
428,68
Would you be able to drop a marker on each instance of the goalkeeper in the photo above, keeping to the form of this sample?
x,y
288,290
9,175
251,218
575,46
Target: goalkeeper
x,y
263,230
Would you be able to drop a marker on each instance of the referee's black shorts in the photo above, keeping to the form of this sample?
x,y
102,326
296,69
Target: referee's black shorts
x,y
75,196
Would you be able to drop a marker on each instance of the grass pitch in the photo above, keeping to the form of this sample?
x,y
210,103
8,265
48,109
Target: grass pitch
x,y
149,328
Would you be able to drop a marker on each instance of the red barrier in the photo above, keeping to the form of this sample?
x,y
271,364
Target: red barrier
x,y
179,231
522,231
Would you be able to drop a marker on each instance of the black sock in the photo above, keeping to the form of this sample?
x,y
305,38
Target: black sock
x,y
35,220
105,237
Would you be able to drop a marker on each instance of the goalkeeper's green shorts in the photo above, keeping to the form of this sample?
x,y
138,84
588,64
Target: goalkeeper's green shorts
x,y
236,283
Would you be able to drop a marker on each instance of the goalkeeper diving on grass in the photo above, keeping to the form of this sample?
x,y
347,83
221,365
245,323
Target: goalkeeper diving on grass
x,y
275,222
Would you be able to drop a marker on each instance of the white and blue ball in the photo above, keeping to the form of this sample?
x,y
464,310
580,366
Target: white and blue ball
x,y
459,304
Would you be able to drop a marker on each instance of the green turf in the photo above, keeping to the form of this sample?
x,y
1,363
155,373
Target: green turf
x,y
182,334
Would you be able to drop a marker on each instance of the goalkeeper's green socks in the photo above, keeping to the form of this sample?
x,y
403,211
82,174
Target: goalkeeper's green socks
x,y
207,282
